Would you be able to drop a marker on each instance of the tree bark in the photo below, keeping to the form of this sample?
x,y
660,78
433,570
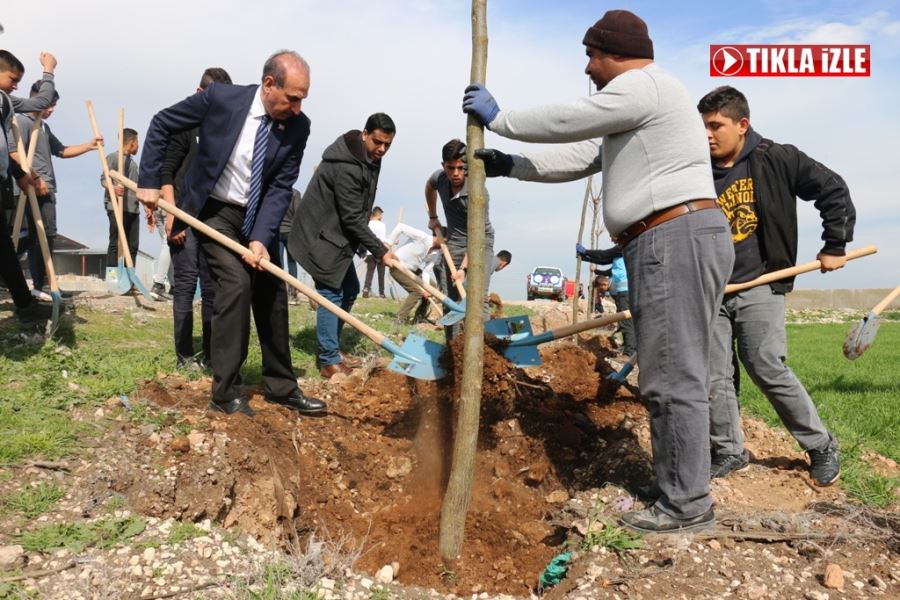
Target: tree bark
x,y
584,205
459,487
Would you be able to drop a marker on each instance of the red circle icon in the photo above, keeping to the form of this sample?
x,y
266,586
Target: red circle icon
x,y
728,61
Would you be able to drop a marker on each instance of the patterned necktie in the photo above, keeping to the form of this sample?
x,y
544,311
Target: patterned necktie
x,y
256,171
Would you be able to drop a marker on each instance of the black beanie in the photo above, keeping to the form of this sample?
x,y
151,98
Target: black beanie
x,y
620,32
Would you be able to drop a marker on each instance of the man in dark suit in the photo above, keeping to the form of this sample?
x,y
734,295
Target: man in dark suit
x,y
251,143
332,223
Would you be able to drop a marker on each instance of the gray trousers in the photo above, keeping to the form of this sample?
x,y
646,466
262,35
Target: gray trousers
x,y
754,319
457,253
677,273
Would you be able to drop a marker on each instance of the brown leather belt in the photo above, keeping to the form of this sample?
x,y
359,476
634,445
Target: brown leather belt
x,y
660,217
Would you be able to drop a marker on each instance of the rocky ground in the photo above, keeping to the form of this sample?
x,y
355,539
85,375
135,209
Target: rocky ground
x,y
197,505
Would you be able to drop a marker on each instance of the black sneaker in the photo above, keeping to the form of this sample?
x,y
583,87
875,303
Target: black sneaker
x,y
825,463
723,464
653,520
158,292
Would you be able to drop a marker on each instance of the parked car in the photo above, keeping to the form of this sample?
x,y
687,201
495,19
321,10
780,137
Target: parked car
x,y
546,282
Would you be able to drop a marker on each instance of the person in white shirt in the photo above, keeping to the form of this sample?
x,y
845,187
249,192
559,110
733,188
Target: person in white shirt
x,y
380,230
418,254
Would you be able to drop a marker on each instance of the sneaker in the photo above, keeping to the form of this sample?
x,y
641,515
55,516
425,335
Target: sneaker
x,y
158,292
825,463
653,520
41,295
723,464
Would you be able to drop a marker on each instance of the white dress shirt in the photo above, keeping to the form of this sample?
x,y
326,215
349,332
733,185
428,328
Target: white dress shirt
x,y
234,182
411,254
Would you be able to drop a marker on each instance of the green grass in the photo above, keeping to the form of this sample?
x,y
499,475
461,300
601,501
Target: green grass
x,y
31,501
859,400
182,532
78,536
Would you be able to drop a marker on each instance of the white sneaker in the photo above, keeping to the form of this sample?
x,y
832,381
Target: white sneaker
x,y
41,295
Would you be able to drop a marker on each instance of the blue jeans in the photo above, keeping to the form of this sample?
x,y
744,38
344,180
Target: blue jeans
x,y
328,326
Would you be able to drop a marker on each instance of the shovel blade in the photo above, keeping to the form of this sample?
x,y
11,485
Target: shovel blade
x,y
428,355
134,281
523,356
509,328
861,336
451,318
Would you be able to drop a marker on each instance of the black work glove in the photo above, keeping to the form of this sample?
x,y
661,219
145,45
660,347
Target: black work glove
x,y
496,163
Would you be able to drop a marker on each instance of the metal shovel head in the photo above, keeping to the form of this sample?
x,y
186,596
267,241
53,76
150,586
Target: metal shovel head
x,y
136,283
451,318
620,375
861,336
57,305
117,278
428,355
509,328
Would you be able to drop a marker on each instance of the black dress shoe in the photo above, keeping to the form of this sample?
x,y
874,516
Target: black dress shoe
x,y
241,405
301,403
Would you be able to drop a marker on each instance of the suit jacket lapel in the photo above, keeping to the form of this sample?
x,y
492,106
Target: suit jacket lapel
x,y
276,137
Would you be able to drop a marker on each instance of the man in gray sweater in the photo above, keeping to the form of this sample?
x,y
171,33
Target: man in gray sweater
x,y
641,128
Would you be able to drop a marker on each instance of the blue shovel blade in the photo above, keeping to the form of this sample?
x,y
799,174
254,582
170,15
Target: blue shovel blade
x,y
133,280
451,318
427,355
509,328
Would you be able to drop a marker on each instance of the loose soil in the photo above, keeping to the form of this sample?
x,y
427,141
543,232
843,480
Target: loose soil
x,y
556,442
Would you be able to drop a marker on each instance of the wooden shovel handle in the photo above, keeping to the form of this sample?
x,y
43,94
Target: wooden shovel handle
x,y
396,264
278,272
26,166
888,299
795,270
36,217
459,286
114,200
590,324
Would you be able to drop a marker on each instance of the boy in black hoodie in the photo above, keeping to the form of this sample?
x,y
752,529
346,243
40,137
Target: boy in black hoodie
x,y
757,183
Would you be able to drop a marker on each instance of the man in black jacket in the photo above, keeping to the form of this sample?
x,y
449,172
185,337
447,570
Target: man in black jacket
x,y
332,222
188,263
757,183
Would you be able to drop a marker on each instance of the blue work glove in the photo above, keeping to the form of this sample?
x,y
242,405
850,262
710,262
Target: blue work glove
x,y
479,102
580,250
496,163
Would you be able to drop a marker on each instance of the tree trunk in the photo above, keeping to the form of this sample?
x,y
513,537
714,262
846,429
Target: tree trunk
x,y
459,487
584,205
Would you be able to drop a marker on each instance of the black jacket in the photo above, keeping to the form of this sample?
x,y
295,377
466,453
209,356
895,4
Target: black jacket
x,y
781,174
332,219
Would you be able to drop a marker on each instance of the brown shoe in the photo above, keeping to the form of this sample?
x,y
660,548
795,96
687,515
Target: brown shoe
x,y
354,362
330,371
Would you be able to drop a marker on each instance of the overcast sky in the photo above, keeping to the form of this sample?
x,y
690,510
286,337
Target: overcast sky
x,y
410,58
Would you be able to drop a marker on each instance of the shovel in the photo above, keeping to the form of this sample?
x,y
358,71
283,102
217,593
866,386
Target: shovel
x,y
23,197
795,270
457,311
42,237
521,349
863,333
126,278
618,377
418,357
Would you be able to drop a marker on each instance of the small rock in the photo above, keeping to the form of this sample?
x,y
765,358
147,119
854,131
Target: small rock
x,y
834,577
557,497
396,567
195,439
399,467
149,555
858,585
754,592
326,584
385,575
877,582
180,444
815,595
366,582
99,413
11,557
714,545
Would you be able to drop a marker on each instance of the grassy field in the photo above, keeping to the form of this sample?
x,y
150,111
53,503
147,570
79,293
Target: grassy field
x,y
859,400
106,354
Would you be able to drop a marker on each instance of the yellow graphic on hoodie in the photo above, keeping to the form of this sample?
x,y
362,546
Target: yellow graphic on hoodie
x,y
739,205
